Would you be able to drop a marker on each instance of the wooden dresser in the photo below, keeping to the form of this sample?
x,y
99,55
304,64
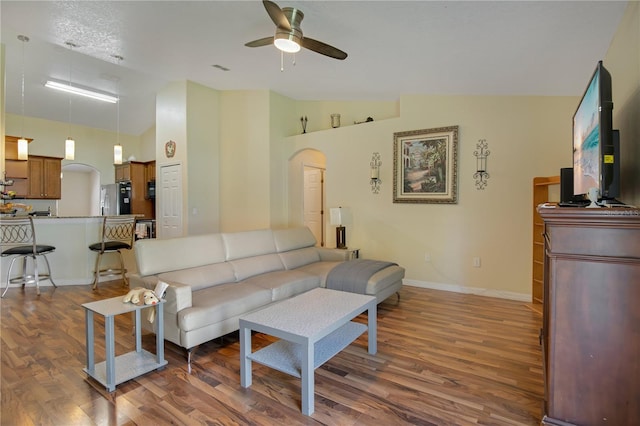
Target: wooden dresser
x,y
591,318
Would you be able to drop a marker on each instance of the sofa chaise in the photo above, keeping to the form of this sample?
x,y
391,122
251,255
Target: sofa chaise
x,y
214,279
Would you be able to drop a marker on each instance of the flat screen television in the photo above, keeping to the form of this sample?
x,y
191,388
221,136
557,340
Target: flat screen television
x,y
595,144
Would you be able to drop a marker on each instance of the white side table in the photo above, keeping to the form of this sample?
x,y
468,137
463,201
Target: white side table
x,y
118,369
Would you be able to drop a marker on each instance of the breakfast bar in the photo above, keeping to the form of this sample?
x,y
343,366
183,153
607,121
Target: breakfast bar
x,y
72,262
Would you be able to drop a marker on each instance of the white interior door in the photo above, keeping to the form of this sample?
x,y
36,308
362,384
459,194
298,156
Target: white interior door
x,y
170,201
313,202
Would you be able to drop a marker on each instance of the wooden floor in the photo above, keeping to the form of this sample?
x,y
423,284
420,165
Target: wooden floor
x,y
443,359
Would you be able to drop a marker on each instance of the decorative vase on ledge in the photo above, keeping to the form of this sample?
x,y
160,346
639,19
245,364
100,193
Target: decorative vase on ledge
x,y
335,120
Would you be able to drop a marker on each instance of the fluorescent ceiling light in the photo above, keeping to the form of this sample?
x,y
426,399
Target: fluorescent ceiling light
x,y
69,88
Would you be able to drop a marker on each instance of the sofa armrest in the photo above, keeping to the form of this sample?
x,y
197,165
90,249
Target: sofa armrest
x,y
178,297
332,254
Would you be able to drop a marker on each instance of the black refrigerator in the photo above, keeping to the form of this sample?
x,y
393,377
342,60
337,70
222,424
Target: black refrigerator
x,y
115,199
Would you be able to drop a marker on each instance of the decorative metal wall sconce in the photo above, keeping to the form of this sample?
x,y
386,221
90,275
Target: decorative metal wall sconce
x,y
375,172
481,154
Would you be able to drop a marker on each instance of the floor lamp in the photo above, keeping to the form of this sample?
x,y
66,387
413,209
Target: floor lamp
x,y
341,233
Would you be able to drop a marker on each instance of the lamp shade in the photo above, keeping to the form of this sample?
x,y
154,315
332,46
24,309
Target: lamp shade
x,y
117,154
335,216
23,149
69,149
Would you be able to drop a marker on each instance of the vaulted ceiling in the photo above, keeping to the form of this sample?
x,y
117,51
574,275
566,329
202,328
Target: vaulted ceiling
x,y
394,48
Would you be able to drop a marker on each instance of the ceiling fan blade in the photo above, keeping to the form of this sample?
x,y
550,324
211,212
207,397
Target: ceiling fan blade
x,y
323,48
260,42
276,15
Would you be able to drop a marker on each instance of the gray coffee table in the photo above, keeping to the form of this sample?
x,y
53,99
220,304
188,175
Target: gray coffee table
x,y
313,327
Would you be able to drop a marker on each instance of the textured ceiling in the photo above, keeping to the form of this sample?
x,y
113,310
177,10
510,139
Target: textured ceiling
x,y
394,47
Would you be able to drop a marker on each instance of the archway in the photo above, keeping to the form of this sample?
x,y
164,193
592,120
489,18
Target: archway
x,y
80,191
307,169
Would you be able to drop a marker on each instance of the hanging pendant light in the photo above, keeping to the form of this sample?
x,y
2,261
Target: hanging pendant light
x,y
117,148
70,144
23,144
69,149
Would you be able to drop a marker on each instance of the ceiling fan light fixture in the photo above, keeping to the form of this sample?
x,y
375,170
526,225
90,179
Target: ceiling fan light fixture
x,y
286,41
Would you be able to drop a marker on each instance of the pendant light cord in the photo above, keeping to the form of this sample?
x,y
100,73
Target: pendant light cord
x,y
71,46
23,39
118,58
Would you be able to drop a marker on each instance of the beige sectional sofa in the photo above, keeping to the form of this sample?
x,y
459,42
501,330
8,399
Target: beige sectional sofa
x,y
214,279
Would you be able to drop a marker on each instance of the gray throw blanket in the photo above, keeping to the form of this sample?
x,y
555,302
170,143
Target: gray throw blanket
x,y
352,276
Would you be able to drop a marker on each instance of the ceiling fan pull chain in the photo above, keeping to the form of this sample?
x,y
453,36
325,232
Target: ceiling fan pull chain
x,y
281,61
294,60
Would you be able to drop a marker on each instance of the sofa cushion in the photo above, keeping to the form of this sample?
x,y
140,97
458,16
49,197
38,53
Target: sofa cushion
x,y
154,256
248,267
218,303
296,258
202,276
293,238
285,284
239,245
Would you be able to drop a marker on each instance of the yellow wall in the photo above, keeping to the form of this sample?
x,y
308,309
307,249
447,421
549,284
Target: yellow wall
x,y
2,111
527,137
623,62
203,151
244,161
94,147
319,113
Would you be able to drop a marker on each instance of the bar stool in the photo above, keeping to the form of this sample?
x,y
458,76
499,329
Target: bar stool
x,y
18,239
117,234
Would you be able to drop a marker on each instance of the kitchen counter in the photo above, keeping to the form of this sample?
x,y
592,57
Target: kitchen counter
x,y
72,262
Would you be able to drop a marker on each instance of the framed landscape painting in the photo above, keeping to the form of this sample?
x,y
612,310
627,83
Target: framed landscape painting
x,y
425,166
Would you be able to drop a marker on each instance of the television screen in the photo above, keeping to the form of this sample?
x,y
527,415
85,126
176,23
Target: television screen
x,y
593,153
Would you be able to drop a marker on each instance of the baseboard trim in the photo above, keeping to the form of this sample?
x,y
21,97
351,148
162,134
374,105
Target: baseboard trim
x,y
469,290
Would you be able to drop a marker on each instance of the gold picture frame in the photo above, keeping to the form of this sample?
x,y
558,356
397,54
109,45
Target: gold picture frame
x,y
425,166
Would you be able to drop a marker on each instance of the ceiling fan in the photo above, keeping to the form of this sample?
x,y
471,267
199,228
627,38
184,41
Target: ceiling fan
x,y
288,37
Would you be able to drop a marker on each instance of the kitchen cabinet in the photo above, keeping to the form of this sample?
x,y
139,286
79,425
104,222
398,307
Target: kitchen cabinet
x,y
44,177
18,172
150,171
123,172
15,170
